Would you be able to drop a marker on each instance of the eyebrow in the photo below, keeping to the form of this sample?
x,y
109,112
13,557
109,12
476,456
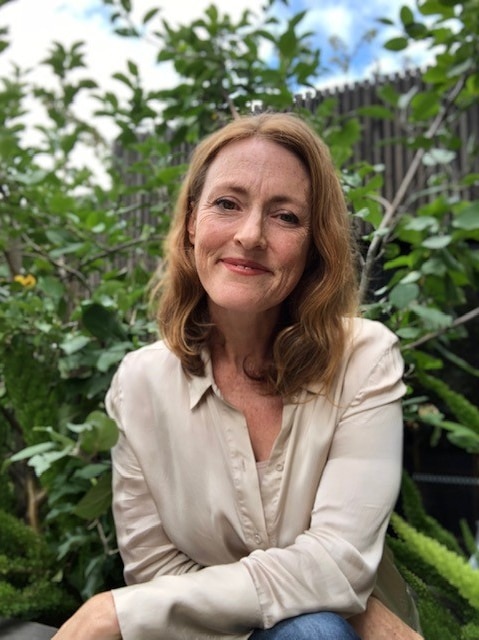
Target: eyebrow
x,y
277,199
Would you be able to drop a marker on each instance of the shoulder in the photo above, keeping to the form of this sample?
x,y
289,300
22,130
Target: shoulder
x,y
370,336
372,359
152,365
156,354
147,381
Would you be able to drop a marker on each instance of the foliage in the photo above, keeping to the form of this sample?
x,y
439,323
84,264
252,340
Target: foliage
x,y
77,249
447,587
29,582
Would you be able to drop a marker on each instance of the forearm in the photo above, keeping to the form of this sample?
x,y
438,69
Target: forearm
x,y
378,623
95,620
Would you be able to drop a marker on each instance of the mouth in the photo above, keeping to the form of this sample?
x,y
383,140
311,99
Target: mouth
x,y
244,266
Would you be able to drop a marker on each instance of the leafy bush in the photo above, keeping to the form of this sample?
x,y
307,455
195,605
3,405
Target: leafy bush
x,y
76,256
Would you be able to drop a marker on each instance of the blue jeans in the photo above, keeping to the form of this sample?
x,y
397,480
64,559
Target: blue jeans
x,y
309,626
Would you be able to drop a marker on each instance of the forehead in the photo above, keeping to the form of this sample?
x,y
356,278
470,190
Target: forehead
x,y
258,158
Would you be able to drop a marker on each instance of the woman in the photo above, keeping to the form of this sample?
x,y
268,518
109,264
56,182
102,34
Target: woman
x,y
259,455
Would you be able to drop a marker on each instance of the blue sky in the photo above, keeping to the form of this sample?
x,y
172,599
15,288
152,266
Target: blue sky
x,y
349,21
35,23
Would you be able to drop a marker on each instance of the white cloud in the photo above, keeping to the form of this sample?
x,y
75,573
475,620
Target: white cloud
x,y
330,21
35,24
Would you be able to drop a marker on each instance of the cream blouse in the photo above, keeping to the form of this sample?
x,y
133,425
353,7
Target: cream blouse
x,y
208,552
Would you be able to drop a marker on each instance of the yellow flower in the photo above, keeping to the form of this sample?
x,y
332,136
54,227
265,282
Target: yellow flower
x,y
27,281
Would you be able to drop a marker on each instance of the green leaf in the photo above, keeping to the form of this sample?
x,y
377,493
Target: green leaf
x,y
43,461
52,287
425,104
438,156
112,356
406,15
436,242
74,343
408,333
468,218
422,223
457,361
416,30
388,94
396,44
434,318
132,68
425,361
376,111
436,7
412,276
102,434
149,15
435,75
101,322
402,295
121,77
29,452
97,501
434,267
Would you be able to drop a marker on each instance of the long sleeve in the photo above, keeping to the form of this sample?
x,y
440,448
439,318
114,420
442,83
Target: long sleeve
x,y
145,548
188,508
218,602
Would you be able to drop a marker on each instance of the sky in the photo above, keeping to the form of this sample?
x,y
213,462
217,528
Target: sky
x,y
34,24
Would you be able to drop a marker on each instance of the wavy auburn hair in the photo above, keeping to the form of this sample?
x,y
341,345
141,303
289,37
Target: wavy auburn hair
x,y
311,338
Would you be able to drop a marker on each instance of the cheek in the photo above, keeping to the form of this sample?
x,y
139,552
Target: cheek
x,y
210,235
296,255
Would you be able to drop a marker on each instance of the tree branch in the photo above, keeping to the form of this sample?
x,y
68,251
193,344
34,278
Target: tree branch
x,y
61,266
108,251
384,230
467,317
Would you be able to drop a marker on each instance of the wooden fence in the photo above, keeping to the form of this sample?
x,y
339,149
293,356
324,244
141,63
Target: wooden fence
x,y
383,141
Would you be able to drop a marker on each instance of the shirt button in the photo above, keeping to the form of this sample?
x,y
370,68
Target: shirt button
x,y
279,466
257,538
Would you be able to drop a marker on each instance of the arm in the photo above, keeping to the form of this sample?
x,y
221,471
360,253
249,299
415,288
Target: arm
x,y
330,566
378,623
333,564
145,548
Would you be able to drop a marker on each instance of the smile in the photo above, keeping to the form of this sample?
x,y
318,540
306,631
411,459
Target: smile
x,y
244,266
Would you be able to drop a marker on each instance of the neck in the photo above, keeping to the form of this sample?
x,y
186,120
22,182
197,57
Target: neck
x,y
239,338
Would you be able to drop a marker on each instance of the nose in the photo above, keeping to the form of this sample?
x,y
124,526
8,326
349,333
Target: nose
x,y
250,232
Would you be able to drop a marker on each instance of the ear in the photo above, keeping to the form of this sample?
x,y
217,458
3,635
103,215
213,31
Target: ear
x,y
191,226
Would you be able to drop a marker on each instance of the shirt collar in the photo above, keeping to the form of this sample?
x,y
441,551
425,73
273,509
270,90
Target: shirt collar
x,y
199,385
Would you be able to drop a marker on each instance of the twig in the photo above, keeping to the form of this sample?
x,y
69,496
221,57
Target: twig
x,y
467,317
231,105
96,524
108,251
35,497
61,266
391,209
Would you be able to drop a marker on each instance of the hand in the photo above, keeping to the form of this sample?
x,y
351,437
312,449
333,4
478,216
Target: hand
x,y
95,620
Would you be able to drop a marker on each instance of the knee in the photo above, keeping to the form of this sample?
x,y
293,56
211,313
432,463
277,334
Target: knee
x,y
335,627
310,626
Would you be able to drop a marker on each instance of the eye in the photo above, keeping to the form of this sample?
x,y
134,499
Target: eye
x,y
288,217
225,204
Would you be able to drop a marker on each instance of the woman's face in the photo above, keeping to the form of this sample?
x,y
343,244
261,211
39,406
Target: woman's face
x,y
251,227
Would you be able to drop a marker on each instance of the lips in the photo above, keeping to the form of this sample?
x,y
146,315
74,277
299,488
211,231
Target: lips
x,y
248,267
